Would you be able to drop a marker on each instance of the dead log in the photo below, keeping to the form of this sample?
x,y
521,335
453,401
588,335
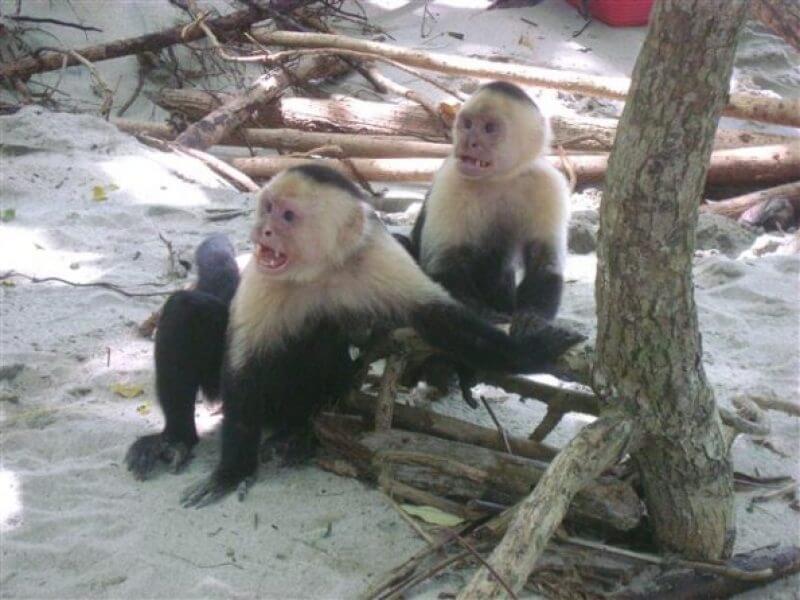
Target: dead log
x,y
742,166
50,61
589,168
292,140
595,448
757,108
597,134
735,207
220,122
690,584
343,114
782,16
432,423
461,471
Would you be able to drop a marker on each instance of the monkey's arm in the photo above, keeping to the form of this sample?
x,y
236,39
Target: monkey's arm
x,y
460,332
539,293
243,393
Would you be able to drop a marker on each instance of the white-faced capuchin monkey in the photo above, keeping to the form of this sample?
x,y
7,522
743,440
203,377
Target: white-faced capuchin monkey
x,y
496,206
323,268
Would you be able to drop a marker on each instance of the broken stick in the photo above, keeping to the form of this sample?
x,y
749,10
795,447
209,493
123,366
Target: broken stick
x,y
220,122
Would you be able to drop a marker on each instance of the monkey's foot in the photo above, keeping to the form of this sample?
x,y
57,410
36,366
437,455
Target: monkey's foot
x,y
146,452
299,448
214,489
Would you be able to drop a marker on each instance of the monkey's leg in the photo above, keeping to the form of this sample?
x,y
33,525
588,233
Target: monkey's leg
x,y
188,356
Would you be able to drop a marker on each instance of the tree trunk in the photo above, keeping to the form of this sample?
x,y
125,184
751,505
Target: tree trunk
x,y
649,352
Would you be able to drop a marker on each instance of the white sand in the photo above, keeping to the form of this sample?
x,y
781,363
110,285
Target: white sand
x,y
74,524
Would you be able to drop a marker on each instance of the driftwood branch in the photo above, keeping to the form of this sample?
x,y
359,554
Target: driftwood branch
x,y
697,584
220,122
430,422
735,207
461,472
51,61
293,140
344,114
780,111
595,448
744,166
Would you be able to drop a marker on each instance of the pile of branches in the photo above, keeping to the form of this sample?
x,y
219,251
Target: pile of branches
x,y
389,140
479,475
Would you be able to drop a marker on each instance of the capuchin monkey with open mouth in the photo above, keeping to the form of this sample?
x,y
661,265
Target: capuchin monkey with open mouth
x,y
323,268
497,207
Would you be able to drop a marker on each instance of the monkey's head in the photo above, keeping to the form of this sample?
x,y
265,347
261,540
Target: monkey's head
x,y
309,220
497,130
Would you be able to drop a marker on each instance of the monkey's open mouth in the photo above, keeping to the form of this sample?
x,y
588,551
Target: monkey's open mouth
x,y
269,259
472,166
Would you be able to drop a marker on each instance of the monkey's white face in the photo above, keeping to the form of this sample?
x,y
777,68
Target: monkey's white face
x,y
493,135
303,228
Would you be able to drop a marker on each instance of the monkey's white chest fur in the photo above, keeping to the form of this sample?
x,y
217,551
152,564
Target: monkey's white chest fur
x,y
530,205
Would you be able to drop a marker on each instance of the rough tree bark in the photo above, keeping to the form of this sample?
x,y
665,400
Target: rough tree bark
x,y
649,352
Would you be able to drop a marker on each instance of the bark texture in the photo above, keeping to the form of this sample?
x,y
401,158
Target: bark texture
x,y
649,352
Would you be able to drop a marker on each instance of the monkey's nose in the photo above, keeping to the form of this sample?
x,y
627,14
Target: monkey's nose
x,y
267,232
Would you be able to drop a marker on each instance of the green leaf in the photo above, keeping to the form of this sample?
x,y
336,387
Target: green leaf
x,y
99,194
432,515
8,215
127,390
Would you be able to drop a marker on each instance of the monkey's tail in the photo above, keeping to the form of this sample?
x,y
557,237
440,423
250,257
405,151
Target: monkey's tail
x,y
217,271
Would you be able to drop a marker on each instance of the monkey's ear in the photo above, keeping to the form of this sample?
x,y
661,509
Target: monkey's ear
x,y
352,230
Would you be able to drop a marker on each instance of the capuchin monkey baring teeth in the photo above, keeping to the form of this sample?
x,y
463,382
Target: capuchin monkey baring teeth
x,y
323,268
497,205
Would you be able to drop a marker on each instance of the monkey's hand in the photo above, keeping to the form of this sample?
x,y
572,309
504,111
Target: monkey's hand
x,y
542,342
525,323
220,484
145,453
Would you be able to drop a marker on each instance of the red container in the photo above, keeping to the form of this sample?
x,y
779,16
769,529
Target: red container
x,y
619,13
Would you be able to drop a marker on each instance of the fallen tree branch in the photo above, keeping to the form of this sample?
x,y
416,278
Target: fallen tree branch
x,y
595,448
50,61
344,114
449,428
292,140
695,584
743,166
734,207
459,471
780,111
222,121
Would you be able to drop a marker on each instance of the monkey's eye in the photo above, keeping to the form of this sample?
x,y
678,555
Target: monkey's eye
x,y
490,127
467,123
288,216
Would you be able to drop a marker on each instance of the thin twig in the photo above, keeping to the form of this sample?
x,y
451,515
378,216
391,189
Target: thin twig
x,y
471,549
52,22
725,571
100,284
101,87
408,519
497,424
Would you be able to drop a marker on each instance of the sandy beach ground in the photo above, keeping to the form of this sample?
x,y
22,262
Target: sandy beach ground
x,y
92,204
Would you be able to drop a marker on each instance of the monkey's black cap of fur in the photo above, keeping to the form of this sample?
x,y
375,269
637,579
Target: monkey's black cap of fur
x,y
327,176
